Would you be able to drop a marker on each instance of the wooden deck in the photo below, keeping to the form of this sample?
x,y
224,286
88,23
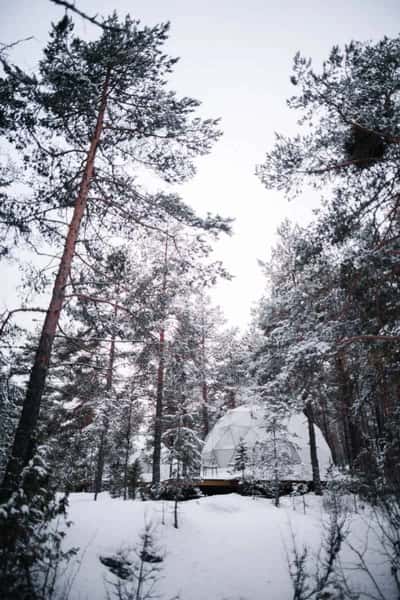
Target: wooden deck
x,y
213,486
262,488
217,486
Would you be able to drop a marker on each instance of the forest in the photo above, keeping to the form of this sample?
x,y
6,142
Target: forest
x,y
122,365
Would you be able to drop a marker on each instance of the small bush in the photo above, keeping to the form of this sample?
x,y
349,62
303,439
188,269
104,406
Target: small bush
x,y
30,537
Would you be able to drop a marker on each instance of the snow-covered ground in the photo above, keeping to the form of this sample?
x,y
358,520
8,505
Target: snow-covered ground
x,y
226,548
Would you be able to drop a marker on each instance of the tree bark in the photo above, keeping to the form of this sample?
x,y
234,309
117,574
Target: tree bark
x,y
231,398
308,411
98,478
204,386
159,411
204,409
156,478
98,481
127,450
276,471
351,429
24,442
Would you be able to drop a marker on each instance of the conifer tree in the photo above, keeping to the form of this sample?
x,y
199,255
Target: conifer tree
x,y
184,271
31,549
350,108
94,109
277,456
331,324
241,458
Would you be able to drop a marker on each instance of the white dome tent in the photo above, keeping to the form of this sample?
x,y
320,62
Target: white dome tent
x,y
247,424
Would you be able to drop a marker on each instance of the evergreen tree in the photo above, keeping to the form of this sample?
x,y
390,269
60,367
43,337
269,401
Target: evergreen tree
x,y
31,549
109,327
94,108
10,399
241,458
277,455
182,418
292,361
351,111
347,262
184,271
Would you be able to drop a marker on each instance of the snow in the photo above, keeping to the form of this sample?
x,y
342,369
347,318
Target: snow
x,y
72,404
247,423
227,547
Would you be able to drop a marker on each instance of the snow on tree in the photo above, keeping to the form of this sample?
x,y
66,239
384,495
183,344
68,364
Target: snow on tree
x,y
241,458
93,110
31,550
185,269
182,419
279,455
347,261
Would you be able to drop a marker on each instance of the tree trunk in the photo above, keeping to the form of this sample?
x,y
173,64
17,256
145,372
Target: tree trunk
x,y
177,481
231,398
159,412
204,410
160,380
24,441
204,386
276,470
325,425
176,511
127,450
98,481
351,429
308,411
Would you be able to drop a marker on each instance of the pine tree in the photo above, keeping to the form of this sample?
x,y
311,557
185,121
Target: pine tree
x,y
293,359
110,325
185,270
241,458
352,108
10,399
277,457
31,549
340,322
137,569
182,418
93,106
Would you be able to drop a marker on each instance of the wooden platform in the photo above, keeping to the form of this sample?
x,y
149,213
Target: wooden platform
x,y
189,489
217,486
262,488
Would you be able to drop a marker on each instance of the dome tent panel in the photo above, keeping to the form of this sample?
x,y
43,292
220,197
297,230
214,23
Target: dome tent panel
x,y
225,441
292,445
223,457
239,433
253,437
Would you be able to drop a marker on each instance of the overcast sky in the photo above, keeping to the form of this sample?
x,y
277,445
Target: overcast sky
x,y
236,58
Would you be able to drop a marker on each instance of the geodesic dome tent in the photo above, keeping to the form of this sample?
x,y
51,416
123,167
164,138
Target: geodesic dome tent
x,y
247,424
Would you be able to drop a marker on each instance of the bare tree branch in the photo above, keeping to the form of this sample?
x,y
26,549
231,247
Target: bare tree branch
x,y
15,310
94,20
369,338
96,300
4,47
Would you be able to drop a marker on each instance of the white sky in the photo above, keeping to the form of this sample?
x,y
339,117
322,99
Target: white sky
x,y
236,57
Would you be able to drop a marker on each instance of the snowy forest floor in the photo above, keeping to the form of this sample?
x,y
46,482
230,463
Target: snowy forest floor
x,y
227,547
